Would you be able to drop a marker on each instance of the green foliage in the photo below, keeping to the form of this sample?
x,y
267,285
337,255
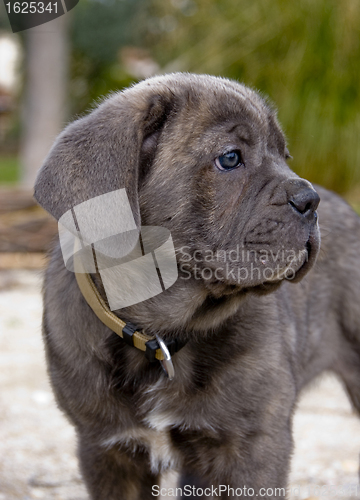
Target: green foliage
x,y
99,30
9,169
304,56
4,21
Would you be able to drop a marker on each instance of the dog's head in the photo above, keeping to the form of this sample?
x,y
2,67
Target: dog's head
x,y
204,157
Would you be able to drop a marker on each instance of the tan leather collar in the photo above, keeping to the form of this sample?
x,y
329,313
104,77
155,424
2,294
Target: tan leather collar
x,y
126,331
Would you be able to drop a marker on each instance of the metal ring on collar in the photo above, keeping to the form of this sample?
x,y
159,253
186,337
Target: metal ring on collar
x,y
166,363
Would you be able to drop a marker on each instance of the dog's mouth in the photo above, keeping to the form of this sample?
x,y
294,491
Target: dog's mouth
x,y
271,285
268,275
312,250
289,272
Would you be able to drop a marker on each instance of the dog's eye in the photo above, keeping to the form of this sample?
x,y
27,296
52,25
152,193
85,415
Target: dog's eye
x,y
230,160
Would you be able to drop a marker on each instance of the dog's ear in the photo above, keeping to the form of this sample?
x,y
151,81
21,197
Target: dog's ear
x,y
102,152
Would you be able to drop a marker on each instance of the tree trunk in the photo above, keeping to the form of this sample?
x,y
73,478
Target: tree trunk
x,y
44,110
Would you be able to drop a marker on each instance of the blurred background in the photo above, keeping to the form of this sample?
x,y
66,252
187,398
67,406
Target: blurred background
x,y
304,56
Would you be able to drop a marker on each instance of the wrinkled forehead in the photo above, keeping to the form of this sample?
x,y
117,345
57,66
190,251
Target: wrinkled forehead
x,y
238,108
204,101
210,92
236,104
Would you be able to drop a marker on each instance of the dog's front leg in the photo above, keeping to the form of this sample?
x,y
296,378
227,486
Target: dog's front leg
x,y
116,473
254,466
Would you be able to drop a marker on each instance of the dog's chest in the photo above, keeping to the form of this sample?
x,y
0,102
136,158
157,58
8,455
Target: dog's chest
x,y
154,437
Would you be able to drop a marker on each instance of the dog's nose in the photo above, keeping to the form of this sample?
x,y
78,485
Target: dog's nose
x,y
305,201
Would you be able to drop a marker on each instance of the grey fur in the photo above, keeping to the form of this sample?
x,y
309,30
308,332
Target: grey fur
x,y
226,417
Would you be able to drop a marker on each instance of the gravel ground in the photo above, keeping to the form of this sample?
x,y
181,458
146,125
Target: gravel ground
x,y
37,444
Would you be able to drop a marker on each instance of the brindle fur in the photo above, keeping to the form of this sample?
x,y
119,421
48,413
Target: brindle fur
x,y
226,418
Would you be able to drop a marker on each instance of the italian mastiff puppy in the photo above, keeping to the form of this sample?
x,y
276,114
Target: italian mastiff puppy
x,y
257,311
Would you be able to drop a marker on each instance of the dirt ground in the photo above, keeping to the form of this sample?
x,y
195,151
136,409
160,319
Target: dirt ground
x,y
37,444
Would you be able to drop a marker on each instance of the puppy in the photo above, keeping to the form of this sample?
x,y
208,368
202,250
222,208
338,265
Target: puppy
x,y
255,316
